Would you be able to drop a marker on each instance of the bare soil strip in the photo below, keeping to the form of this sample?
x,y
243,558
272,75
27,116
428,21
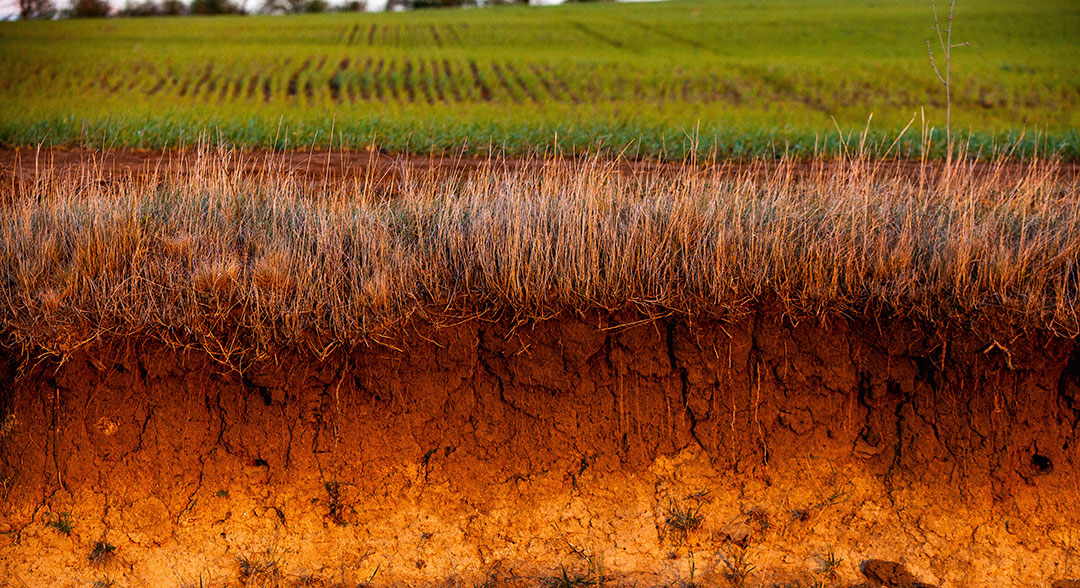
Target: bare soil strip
x,y
322,165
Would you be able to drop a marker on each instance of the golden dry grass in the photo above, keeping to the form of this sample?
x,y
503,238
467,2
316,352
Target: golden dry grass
x,y
242,265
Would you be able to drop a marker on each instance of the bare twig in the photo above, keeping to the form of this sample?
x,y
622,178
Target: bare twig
x,y
945,41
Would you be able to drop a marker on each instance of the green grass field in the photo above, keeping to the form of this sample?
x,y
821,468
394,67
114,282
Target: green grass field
x,y
743,76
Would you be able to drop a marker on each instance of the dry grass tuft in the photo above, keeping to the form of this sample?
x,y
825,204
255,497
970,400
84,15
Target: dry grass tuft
x,y
217,277
241,265
271,272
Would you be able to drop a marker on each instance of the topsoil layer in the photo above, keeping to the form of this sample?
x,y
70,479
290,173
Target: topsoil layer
x,y
568,452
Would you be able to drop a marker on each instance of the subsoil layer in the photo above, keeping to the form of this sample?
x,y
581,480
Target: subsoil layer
x,y
587,448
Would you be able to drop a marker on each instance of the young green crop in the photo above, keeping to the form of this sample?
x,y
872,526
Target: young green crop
x,y
742,77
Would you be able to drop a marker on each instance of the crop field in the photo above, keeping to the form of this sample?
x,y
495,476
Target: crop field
x,y
743,78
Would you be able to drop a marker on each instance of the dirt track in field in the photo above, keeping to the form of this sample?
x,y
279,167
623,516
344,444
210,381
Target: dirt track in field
x,y
320,167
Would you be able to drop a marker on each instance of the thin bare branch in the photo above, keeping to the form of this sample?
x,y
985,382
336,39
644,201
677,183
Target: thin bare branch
x,y
932,64
937,25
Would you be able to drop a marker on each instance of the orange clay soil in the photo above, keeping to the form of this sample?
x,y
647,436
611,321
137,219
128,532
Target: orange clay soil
x,y
749,452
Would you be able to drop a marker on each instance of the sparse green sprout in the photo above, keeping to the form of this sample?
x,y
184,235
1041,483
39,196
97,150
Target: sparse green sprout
x,y
194,584
261,565
693,568
830,565
104,582
840,493
759,518
376,571
222,493
489,582
566,579
699,496
62,523
739,569
101,552
684,519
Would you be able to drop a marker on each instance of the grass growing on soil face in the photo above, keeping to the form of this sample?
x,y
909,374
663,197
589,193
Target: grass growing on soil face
x,y
102,552
62,523
830,566
566,579
261,567
739,568
243,265
748,77
682,519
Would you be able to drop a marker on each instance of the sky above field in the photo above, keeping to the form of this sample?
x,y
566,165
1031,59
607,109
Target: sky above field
x,y
9,9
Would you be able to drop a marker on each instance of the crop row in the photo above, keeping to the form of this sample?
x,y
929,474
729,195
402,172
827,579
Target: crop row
x,y
374,35
349,78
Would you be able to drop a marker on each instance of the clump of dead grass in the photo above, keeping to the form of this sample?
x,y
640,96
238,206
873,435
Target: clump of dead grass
x,y
240,265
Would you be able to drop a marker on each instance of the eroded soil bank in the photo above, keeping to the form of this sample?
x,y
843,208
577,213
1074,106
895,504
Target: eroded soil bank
x,y
490,453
